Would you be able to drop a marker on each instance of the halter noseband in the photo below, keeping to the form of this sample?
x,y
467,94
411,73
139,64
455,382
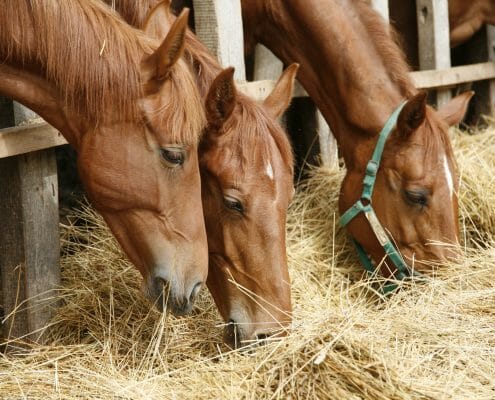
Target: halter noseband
x,y
364,205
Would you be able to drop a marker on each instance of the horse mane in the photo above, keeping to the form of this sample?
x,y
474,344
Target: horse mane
x,y
387,43
134,12
248,118
90,55
94,59
254,126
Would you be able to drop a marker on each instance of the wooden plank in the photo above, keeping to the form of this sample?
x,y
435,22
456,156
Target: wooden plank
x,y
24,139
477,49
266,64
29,241
490,44
382,7
259,90
218,24
453,76
431,79
433,37
329,149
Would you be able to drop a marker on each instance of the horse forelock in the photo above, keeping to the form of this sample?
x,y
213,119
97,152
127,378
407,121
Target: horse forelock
x,y
181,112
253,127
436,137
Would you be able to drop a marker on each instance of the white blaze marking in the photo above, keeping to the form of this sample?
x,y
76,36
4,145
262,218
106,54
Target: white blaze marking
x,y
269,171
448,176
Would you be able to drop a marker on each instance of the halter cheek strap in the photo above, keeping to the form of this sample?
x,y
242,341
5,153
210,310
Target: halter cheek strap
x,y
364,205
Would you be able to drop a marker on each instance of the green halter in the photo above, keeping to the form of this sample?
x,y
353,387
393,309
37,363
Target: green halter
x,y
363,205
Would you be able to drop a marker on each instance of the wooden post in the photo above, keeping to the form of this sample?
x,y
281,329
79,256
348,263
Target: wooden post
x,y
490,45
382,7
478,49
268,66
218,24
29,240
434,39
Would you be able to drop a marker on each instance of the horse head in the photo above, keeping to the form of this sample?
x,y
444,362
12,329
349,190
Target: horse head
x,y
415,191
247,176
142,175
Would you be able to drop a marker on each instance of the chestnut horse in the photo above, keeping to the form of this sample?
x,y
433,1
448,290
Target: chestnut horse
x,y
132,111
246,174
465,19
355,72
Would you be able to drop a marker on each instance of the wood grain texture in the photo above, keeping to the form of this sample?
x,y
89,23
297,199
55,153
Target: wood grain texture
x,y
434,39
218,24
29,239
24,139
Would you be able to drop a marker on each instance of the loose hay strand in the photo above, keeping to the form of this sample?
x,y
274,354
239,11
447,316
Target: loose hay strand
x,y
430,340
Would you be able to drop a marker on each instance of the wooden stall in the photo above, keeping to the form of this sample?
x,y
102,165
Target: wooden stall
x,y
29,236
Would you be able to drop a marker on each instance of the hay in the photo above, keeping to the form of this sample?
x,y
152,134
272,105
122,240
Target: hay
x,y
433,340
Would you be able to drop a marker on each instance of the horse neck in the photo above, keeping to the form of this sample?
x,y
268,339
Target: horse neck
x,y
342,69
38,95
59,50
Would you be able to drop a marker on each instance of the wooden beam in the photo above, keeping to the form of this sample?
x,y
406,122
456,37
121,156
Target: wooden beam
x,y
259,90
24,139
434,39
218,24
490,44
444,78
29,241
431,79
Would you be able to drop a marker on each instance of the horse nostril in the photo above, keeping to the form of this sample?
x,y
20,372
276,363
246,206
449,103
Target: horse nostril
x,y
262,336
162,284
232,334
195,291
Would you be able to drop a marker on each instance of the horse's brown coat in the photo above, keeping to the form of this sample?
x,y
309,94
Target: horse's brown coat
x,y
354,70
245,159
96,79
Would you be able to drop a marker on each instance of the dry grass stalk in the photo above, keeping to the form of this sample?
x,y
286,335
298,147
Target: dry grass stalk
x,y
433,340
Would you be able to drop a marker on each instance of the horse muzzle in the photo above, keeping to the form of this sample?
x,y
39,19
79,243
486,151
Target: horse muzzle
x,y
238,337
164,295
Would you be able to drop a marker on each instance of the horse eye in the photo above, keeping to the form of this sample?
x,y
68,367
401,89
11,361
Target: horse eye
x,y
173,157
418,198
233,204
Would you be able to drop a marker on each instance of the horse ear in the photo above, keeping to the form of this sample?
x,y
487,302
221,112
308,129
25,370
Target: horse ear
x,y
412,115
221,98
279,99
155,25
172,47
453,112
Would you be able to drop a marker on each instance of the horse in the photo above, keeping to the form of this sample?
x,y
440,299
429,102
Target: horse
x,y
353,68
465,19
246,169
130,107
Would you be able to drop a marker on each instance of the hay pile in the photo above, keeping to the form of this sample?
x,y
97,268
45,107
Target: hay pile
x,y
432,340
